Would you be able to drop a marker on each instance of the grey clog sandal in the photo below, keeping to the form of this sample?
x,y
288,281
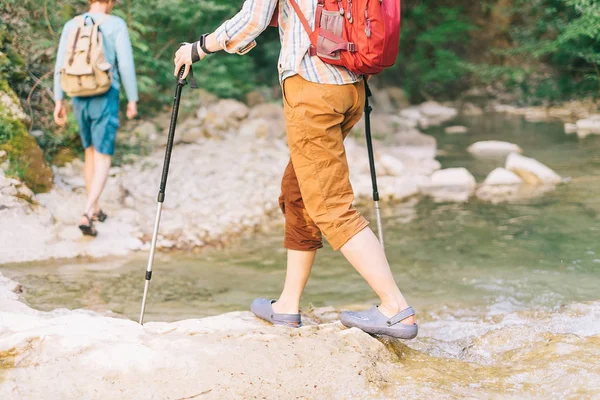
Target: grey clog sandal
x,y
263,308
374,322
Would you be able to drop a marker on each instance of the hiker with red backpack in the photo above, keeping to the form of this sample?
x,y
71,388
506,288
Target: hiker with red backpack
x,y
94,58
327,49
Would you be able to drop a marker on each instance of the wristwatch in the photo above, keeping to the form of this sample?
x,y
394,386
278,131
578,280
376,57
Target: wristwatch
x,y
202,41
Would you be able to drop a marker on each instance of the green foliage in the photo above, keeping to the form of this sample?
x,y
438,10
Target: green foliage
x,y
556,50
434,47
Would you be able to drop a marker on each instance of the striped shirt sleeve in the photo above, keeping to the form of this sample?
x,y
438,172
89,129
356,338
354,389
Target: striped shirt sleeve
x,y
237,34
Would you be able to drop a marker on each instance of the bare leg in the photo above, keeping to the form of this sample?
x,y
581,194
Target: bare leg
x,y
88,172
365,254
299,265
101,166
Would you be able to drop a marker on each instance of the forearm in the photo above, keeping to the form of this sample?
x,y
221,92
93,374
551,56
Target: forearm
x,y
126,65
237,34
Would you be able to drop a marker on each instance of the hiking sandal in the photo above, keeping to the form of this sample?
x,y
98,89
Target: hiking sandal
x,y
263,309
372,321
88,230
100,216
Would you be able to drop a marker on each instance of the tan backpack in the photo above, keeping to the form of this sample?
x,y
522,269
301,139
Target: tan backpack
x,y
85,72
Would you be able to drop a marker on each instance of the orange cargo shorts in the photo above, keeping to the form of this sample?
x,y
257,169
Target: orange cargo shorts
x,y
316,194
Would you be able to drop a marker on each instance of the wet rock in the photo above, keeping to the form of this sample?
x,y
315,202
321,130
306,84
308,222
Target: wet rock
x,y
570,128
500,185
452,184
435,114
455,130
104,357
493,148
502,177
531,170
589,126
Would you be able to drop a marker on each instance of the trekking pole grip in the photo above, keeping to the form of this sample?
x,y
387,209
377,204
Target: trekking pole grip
x,y
181,80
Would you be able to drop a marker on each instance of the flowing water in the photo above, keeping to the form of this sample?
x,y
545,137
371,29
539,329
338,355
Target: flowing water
x,y
508,296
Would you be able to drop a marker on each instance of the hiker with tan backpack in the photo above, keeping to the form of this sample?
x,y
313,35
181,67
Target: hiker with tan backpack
x,y
327,49
94,59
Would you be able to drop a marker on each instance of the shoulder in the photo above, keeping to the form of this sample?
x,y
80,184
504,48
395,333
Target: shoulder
x,y
69,25
117,22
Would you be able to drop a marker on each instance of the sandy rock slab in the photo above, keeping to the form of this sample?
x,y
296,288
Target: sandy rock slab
x,y
79,354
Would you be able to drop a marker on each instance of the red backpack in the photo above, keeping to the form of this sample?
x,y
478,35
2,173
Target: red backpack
x,y
361,35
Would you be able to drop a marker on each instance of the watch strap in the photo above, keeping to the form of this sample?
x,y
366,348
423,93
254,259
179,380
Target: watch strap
x,y
203,44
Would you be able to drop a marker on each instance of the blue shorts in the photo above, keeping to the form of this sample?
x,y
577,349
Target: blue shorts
x,y
98,120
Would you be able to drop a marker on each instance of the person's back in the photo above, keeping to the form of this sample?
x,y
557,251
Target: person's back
x,y
98,115
117,49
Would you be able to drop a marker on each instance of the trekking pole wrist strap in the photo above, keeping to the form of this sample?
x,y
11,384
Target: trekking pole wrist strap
x,y
195,55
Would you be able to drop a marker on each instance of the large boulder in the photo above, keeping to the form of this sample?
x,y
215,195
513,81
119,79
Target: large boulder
x,y
531,170
502,186
499,186
449,185
493,148
85,355
26,160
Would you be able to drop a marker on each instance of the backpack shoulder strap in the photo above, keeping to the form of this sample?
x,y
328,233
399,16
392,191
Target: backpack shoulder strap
x,y
311,34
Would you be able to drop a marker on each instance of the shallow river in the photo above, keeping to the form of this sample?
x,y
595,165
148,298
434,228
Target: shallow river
x,y
508,296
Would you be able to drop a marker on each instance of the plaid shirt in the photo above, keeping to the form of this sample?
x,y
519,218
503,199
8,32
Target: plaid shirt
x,y
237,36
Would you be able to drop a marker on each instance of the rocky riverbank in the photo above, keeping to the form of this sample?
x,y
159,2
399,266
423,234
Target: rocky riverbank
x,y
225,174
459,353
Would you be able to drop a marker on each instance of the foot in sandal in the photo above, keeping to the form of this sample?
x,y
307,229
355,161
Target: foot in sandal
x,y
374,322
86,226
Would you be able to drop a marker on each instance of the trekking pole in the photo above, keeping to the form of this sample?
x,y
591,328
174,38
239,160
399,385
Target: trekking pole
x,y
163,184
368,110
